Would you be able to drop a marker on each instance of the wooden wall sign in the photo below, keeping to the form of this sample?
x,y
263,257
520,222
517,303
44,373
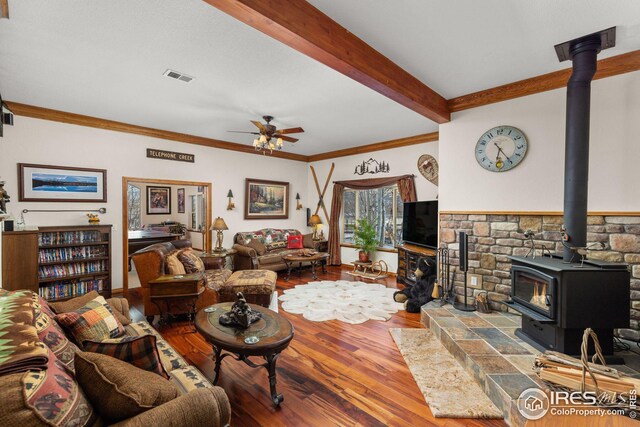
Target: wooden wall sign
x,y
170,155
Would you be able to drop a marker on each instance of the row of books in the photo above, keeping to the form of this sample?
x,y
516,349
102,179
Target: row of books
x,y
66,237
70,289
67,254
64,270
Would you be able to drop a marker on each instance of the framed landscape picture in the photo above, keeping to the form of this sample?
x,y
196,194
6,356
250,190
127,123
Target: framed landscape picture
x,y
181,200
266,199
47,183
158,200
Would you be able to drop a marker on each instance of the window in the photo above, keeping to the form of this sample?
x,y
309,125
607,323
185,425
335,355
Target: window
x,y
381,206
134,202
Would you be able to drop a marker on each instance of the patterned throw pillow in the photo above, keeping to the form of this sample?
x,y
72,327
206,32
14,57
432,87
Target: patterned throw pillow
x,y
141,352
174,266
294,242
277,245
52,335
192,262
56,397
94,322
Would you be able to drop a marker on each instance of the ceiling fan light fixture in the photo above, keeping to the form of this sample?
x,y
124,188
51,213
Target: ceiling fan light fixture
x,y
280,143
263,138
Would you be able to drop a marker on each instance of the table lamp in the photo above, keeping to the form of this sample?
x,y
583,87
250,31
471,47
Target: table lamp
x,y
219,225
315,221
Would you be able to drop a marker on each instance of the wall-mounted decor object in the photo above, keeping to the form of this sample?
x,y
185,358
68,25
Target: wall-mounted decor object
x,y
170,155
181,200
298,204
266,199
501,148
428,167
230,205
322,192
158,200
6,116
372,166
47,183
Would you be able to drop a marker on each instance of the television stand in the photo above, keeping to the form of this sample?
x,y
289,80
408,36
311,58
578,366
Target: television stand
x,y
408,256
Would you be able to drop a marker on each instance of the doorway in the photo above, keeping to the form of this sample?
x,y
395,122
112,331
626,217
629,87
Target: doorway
x,y
178,211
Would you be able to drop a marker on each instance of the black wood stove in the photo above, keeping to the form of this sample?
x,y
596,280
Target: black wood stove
x,y
560,297
558,300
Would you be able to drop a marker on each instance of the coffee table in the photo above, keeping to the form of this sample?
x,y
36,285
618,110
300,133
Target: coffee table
x,y
291,259
273,331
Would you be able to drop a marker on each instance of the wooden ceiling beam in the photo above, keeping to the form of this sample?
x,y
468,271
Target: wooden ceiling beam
x,y
81,120
301,26
385,145
608,67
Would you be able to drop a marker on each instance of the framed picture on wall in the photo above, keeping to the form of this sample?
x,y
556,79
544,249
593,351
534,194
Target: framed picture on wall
x,y
47,183
181,200
158,200
266,199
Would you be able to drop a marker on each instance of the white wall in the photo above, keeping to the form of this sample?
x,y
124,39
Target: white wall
x,y
537,183
401,161
50,143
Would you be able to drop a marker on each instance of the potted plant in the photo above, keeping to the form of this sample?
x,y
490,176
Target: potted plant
x,y
365,239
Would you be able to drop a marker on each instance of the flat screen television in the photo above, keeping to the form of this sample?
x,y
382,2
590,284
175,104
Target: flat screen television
x,y
420,223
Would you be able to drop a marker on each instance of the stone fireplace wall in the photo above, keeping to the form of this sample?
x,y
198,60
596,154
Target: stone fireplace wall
x,y
494,236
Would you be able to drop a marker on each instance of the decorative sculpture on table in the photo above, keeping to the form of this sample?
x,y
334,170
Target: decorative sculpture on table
x,y
240,315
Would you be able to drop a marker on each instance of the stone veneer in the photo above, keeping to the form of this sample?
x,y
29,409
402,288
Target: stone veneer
x,y
493,237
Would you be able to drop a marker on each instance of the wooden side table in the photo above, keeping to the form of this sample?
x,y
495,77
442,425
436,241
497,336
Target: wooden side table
x,y
227,253
176,290
319,258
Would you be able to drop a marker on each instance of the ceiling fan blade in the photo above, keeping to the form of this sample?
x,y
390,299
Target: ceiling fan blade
x,y
290,130
240,131
259,125
286,138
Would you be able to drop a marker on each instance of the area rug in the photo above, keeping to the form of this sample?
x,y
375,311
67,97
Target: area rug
x,y
448,390
350,302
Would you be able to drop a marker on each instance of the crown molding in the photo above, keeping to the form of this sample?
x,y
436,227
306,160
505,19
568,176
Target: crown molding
x,y
385,145
608,67
82,120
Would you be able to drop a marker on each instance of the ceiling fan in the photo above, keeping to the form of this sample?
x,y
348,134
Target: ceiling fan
x,y
267,132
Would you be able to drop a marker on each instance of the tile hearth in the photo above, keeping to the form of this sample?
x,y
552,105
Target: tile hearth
x,y
486,346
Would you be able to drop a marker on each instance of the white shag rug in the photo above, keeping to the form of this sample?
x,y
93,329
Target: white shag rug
x,y
350,302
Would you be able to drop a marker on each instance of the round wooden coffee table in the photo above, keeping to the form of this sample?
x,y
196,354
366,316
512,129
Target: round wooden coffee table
x,y
274,333
315,259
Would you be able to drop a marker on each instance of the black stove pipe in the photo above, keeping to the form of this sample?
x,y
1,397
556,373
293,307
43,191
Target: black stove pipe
x,y
576,158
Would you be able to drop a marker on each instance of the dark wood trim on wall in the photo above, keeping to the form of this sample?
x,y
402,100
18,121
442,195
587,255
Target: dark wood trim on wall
x,y
607,67
385,145
299,25
548,213
82,120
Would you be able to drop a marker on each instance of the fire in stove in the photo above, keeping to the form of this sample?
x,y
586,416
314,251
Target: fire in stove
x,y
539,294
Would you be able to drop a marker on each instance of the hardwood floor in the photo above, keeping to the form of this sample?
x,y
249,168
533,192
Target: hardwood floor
x,y
333,373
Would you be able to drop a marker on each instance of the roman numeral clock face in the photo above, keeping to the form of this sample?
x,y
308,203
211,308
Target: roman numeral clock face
x,y
501,148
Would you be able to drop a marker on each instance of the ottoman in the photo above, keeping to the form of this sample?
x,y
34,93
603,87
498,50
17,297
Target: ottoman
x,y
256,286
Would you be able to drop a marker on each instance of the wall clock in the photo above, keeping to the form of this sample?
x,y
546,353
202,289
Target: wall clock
x,y
501,148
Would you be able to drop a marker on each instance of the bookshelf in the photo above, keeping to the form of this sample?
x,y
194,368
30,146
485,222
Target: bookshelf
x,y
58,262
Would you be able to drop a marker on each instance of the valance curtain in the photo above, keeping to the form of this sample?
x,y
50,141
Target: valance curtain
x,y
406,188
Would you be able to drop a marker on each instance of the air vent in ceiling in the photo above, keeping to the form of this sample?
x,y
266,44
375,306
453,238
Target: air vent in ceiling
x,y
178,76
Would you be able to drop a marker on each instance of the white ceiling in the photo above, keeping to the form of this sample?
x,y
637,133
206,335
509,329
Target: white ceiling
x,y
106,59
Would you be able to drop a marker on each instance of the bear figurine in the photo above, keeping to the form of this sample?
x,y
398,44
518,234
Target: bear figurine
x,y
419,294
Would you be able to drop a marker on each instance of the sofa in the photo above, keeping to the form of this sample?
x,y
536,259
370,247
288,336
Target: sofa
x,y
47,392
151,262
263,249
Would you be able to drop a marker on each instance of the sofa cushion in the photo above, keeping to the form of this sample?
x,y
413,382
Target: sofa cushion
x,y
174,265
276,245
188,378
265,235
307,241
120,306
169,358
192,262
54,396
294,242
257,245
120,390
140,351
93,321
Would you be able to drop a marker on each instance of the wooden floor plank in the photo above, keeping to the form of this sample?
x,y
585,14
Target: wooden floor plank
x,y
332,374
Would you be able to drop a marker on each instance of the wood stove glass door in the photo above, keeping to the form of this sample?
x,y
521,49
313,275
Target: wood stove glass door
x,y
534,289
